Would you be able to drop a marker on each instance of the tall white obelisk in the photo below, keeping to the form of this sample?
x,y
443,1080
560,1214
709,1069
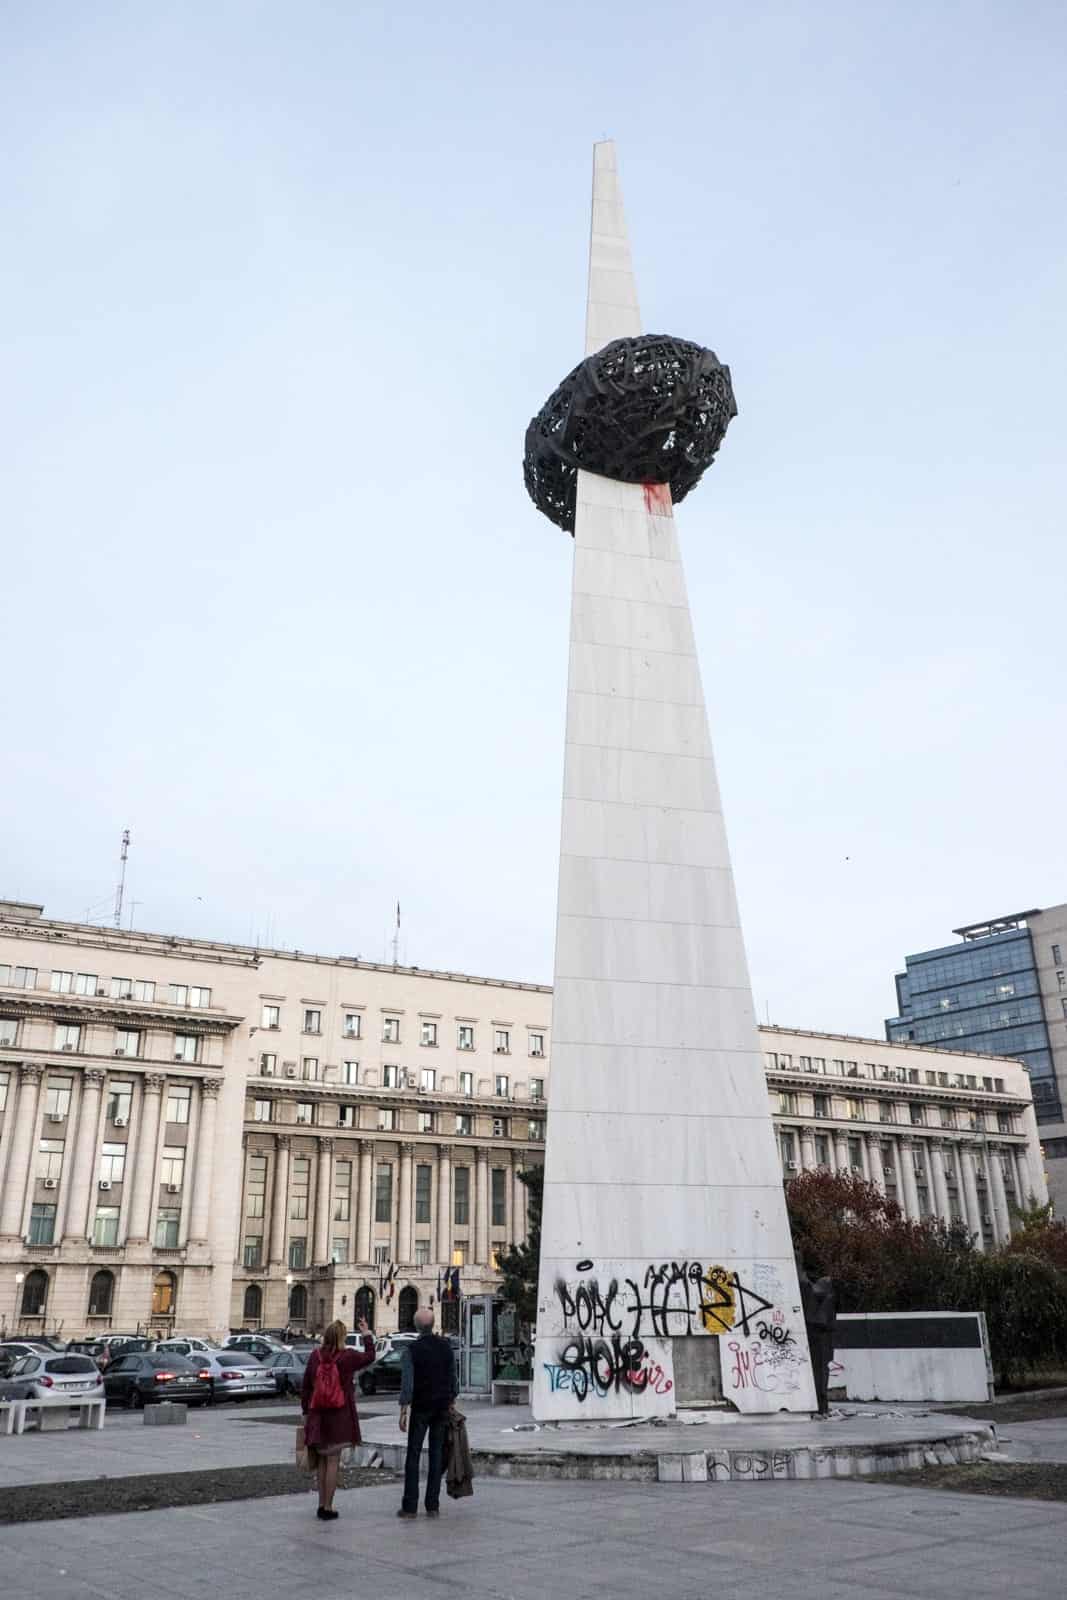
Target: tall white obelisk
x,y
666,1263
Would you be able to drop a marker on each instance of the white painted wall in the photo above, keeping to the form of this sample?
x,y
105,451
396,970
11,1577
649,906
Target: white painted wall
x,y
916,1374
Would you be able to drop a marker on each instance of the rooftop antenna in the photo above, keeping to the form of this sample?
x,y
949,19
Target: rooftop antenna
x,y
396,938
121,890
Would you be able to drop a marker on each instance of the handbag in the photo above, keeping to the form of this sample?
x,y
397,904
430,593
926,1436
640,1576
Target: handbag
x,y
306,1454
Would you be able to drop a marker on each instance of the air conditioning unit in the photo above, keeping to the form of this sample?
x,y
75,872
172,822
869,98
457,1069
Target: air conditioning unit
x,y
174,1188
537,1053
290,1072
120,1122
50,1183
120,1052
179,1055
55,1116
791,1166
66,1047
500,1050
101,992
274,1027
105,1184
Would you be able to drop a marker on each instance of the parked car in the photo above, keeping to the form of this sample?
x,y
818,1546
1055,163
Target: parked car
x,y
54,1377
236,1375
385,1373
12,1351
256,1344
94,1348
191,1348
287,1368
146,1377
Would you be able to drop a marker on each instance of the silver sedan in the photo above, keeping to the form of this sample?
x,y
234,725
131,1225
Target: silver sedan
x,y
235,1375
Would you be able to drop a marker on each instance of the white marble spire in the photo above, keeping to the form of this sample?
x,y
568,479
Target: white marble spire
x,y
664,1216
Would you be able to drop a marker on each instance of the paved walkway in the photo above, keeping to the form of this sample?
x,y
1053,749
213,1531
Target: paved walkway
x,y
539,1541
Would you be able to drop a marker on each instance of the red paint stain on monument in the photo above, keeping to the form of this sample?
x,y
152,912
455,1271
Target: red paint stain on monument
x,y
657,499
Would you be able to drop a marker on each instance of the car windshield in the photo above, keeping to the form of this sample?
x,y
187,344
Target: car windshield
x,y
170,1363
237,1359
70,1364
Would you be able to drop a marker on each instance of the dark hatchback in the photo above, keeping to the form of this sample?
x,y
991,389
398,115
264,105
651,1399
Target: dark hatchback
x,y
385,1374
144,1379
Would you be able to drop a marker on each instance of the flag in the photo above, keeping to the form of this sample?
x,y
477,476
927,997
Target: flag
x,y
440,1295
455,1283
398,916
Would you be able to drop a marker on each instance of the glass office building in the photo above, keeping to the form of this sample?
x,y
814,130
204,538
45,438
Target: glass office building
x,y
982,994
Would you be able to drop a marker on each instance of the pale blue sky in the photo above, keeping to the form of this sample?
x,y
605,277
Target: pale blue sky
x,y
281,287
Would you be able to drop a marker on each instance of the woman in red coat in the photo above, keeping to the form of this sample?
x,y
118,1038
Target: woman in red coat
x,y
330,1429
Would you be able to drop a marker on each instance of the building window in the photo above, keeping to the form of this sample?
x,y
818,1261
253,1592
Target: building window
x,y
787,1102
178,994
19,977
462,1181
262,1110
42,1224
68,1036
423,1181
270,1017
822,1105
185,1046
537,1128
429,1033
298,1207
422,1252
428,1079
199,996
5,1079
342,1191
502,1041
9,1030
1005,1122
537,1044
106,1227
381,1255
503,1085
144,989
268,1065
122,988
34,1293
179,1098
253,1250
459,1255
102,1290
499,1190
256,1184
855,1110
119,1096
463,1122
500,1127
425,1121
789,1147
390,1030
298,1255
305,1112
390,1077
350,1073
855,1155
50,1160
918,1116
822,1150
346,1116
537,1088
112,1163
298,1300
948,1116
127,1042
310,1069
887,1111
312,1020
352,1025
383,1192
62,982
57,1098
173,1169
466,1036
386,1119
86,983
339,1252
466,1083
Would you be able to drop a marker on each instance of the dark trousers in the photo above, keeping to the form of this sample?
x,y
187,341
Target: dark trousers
x,y
821,1345
419,1424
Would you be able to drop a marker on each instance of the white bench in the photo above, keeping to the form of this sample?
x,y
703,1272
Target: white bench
x,y
14,1413
511,1392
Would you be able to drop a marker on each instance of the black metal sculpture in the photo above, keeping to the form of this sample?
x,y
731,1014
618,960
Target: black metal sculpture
x,y
646,410
820,1319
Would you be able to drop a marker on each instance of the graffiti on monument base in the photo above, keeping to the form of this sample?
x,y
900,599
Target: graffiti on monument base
x,y
602,1378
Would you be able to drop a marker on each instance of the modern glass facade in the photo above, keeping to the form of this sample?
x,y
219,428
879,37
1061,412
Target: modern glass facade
x,y
983,995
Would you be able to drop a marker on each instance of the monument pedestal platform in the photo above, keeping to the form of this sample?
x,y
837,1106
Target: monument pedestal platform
x,y
718,1448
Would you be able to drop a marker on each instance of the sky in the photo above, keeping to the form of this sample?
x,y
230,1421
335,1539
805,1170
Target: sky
x,y
280,289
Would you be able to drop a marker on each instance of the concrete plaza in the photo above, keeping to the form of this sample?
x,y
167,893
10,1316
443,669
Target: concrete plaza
x,y
529,1541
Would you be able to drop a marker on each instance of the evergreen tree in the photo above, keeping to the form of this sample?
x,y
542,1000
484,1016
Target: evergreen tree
x,y
519,1263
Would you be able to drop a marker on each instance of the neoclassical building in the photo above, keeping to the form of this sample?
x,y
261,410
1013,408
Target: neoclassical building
x,y
204,1136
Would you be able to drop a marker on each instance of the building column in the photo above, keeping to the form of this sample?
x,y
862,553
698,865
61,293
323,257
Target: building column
x,y
481,1218
874,1161
205,1161
807,1150
77,1224
1022,1177
144,1178
971,1208
279,1202
22,1142
937,1169
841,1160
907,1176
403,1237
1001,1215
323,1199
518,1200
366,1199
444,1203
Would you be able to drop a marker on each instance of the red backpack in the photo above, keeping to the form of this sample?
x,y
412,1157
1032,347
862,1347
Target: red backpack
x,y
327,1394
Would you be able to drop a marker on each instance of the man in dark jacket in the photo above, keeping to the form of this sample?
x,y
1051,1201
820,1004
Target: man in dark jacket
x,y
428,1387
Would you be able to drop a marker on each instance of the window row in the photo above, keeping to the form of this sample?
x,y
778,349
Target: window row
x,y
880,1073
68,1037
424,1079
58,1092
192,996
112,1168
352,1028
919,1115
309,1114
